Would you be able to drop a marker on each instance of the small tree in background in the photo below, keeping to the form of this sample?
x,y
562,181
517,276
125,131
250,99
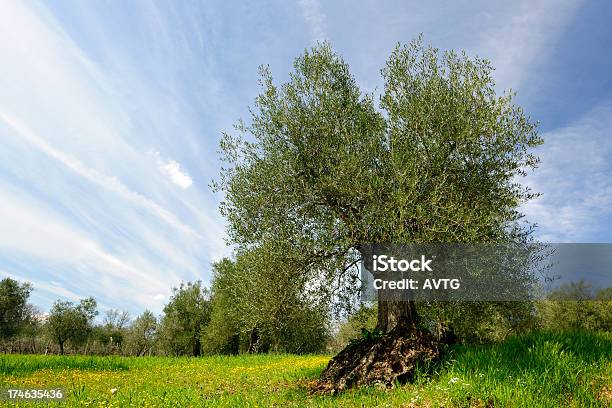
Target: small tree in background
x,y
576,306
141,335
71,323
223,334
110,334
185,315
260,298
116,319
15,312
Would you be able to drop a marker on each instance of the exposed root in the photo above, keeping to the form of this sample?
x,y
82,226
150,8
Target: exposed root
x,y
385,361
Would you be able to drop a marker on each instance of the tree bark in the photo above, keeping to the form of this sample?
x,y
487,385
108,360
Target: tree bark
x,y
398,314
388,356
254,339
196,348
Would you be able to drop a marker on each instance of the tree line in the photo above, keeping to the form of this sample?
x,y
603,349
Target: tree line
x,y
196,320
220,320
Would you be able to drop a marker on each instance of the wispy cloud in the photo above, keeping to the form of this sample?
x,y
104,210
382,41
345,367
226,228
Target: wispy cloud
x,y
83,204
315,19
575,179
53,287
111,183
172,170
520,34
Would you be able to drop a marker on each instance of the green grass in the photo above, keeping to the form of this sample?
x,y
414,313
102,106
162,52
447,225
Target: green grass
x,y
539,370
23,365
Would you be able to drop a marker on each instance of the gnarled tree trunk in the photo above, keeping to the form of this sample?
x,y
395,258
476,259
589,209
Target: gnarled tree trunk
x,y
387,357
397,313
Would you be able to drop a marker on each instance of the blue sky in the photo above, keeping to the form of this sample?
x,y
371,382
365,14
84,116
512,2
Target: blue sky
x,y
111,112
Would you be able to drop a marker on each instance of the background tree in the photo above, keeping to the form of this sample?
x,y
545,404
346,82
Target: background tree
x,y
320,169
141,336
357,323
15,312
223,334
185,315
71,323
110,334
116,319
576,305
261,298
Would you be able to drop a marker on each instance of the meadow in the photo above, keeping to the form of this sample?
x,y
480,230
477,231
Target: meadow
x,y
539,370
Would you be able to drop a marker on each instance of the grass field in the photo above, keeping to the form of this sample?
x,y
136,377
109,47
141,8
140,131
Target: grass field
x,y
540,370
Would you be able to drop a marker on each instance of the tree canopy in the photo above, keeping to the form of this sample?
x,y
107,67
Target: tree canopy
x,y
72,323
184,317
319,169
15,312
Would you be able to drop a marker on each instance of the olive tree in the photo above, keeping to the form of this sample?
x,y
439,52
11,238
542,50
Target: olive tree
x,y
141,335
15,312
69,322
185,315
319,168
259,303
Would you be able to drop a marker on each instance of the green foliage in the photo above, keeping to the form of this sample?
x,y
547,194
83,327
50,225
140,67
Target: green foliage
x,y
478,322
185,315
575,306
319,169
258,303
15,313
364,318
72,323
304,330
141,335
367,336
222,335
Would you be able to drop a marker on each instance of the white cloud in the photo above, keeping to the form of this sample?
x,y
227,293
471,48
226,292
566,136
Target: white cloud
x,y
172,170
79,197
575,178
520,35
315,19
108,182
